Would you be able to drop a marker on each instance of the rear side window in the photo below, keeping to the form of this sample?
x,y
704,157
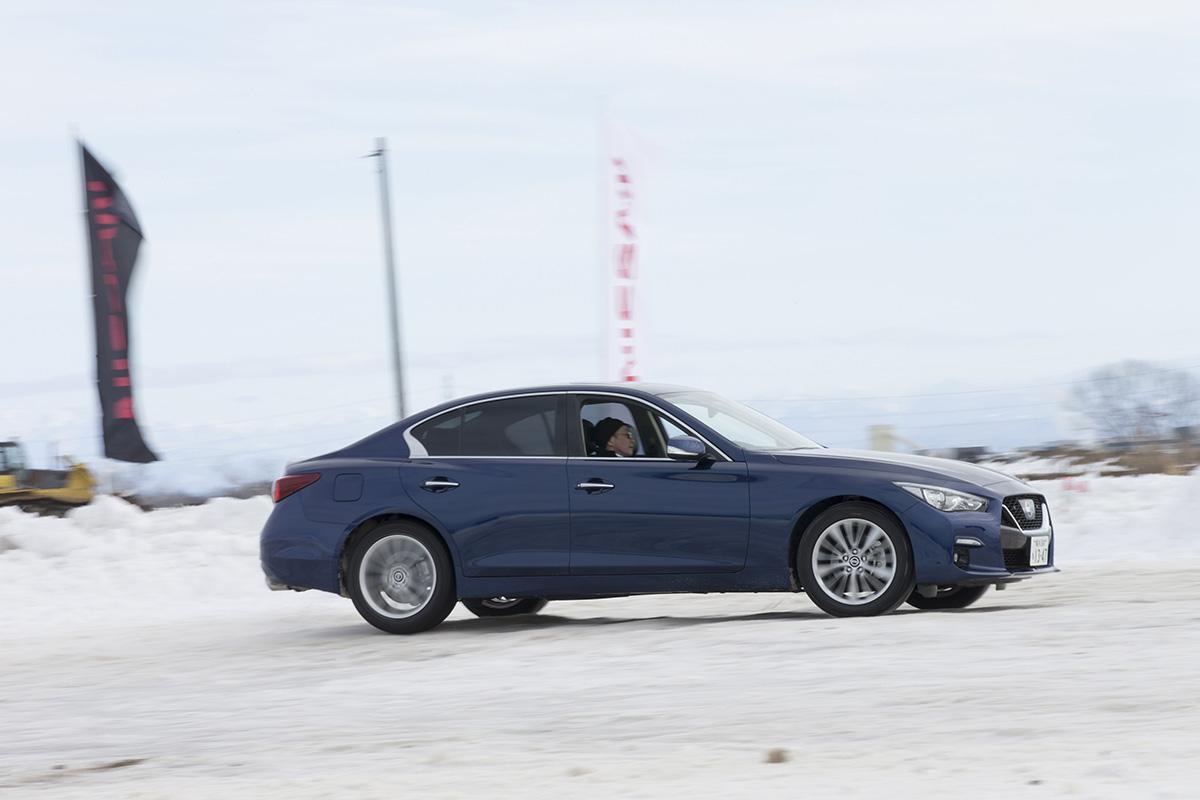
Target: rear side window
x,y
519,426
441,436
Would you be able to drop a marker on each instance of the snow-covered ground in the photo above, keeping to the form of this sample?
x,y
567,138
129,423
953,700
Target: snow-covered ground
x,y
1025,466
140,655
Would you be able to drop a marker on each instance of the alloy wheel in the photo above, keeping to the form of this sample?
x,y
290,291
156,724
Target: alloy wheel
x,y
854,561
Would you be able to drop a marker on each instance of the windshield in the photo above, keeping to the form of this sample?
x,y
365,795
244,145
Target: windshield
x,y
739,423
10,457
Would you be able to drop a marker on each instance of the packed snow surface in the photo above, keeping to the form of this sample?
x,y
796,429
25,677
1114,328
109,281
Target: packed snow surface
x,y
141,655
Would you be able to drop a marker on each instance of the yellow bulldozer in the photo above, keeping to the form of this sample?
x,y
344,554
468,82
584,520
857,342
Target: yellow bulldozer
x,y
45,491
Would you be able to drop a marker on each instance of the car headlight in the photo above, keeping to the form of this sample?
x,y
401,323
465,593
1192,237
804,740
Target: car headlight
x,y
944,499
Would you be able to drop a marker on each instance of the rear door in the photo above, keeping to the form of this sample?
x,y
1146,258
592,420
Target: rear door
x,y
493,475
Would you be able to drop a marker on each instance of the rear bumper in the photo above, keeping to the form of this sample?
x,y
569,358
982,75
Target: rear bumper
x,y
276,586
297,553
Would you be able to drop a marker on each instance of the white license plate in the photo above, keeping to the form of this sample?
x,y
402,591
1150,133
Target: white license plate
x,y
1039,551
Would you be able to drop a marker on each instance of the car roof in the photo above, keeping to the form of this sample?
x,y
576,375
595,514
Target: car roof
x,y
634,389
598,386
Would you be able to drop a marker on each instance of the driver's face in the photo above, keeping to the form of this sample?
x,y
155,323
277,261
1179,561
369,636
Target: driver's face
x,y
623,442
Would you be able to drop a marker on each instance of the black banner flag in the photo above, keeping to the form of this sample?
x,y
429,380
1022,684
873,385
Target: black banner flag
x,y
114,237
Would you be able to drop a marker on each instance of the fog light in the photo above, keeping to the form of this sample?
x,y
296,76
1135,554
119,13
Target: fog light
x,y
962,556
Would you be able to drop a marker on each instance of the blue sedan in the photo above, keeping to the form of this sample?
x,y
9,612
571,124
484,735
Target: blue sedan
x,y
506,500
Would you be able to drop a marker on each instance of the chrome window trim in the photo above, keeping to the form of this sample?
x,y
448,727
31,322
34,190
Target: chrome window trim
x,y
417,450
610,459
506,458
634,459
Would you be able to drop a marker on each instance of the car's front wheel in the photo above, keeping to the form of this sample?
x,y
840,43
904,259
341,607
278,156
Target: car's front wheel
x,y
854,560
401,579
504,606
948,597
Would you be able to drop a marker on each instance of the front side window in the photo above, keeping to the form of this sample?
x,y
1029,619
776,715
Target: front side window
x,y
516,426
612,427
609,428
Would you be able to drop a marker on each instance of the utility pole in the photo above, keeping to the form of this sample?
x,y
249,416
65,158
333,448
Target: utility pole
x,y
385,208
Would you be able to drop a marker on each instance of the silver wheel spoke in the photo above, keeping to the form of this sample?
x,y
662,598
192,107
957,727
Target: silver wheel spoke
x,y
872,537
882,573
838,534
873,583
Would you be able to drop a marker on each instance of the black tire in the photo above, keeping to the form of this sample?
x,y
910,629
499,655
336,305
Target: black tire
x,y
498,607
890,595
370,601
948,597
46,508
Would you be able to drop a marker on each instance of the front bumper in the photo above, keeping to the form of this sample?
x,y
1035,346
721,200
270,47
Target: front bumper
x,y
999,580
975,549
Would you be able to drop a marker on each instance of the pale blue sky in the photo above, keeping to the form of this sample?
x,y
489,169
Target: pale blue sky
x,y
845,199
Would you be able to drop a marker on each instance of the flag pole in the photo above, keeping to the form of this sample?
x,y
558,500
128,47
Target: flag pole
x,y
87,248
385,208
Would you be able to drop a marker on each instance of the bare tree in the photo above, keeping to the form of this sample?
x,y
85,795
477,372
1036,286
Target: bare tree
x,y
1137,400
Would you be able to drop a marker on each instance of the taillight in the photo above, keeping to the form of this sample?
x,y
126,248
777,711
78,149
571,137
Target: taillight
x,y
290,484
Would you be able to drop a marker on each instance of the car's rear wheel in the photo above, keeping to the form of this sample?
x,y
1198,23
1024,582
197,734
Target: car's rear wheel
x,y
504,606
401,579
948,597
854,560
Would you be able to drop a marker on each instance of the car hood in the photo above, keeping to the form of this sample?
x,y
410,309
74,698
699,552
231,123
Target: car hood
x,y
957,470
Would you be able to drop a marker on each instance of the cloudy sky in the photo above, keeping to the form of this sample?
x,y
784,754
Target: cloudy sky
x,y
854,202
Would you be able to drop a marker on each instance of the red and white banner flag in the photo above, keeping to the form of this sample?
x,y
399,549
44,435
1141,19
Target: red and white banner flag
x,y
622,255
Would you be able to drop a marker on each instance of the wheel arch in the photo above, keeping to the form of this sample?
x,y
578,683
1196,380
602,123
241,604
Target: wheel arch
x,y
818,508
365,526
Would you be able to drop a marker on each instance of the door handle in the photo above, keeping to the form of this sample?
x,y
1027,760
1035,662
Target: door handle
x,y
595,485
439,484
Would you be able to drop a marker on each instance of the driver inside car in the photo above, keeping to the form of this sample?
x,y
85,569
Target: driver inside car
x,y
614,438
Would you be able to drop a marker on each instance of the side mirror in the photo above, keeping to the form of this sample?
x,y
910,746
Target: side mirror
x,y
686,448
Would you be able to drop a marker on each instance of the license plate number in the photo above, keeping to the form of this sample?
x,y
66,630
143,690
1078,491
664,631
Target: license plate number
x,y
1039,551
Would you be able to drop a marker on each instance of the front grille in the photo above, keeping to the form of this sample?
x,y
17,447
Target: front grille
x,y
1016,558
1013,504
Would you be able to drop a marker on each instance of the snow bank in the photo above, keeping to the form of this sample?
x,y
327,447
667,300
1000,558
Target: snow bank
x,y
1113,519
1026,466
168,482
112,558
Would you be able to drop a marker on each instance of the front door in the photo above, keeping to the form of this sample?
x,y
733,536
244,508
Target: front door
x,y
641,512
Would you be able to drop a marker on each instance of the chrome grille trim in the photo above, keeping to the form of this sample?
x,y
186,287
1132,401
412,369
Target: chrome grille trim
x,y
1012,504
